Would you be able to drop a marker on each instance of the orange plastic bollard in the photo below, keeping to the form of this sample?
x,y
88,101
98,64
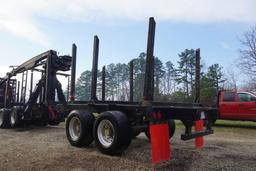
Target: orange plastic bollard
x,y
199,141
160,146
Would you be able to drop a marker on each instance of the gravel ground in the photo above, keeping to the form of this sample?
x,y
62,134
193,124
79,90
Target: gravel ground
x,y
34,148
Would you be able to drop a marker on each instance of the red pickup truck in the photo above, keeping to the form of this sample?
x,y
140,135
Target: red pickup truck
x,y
236,105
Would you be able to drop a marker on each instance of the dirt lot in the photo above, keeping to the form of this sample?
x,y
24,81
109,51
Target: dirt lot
x,y
33,148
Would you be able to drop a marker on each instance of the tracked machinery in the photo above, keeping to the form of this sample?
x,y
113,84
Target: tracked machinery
x,y
37,106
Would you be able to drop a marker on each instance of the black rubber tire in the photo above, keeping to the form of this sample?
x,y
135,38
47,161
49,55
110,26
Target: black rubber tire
x,y
4,114
40,123
172,127
123,133
147,133
43,120
17,120
59,118
54,123
87,119
213,121
135,133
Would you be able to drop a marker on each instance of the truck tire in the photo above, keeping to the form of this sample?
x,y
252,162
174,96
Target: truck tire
x,y
42,119
172,127
4,118
54,123
40,122
15,119
79,127
214,121
135,133
112,132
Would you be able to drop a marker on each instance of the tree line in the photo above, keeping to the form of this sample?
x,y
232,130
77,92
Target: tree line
x,y
174,82
171,83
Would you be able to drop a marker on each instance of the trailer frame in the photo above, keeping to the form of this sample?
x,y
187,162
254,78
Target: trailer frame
x,y
138,115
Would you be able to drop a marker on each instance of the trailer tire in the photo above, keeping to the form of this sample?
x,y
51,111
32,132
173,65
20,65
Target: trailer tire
x,y
40,123
119,132
43,119
4,118
54,123
15,119
214,121
172,127
135,133
79,127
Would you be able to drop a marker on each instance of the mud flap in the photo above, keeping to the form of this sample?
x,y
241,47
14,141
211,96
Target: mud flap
x,y
199,141
160,146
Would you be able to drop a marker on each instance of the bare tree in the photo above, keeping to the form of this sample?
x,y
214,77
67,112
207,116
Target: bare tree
x,y
249,86
230,79
248,53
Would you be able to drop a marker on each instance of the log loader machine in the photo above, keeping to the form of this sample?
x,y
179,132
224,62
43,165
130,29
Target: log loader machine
x,y
39,107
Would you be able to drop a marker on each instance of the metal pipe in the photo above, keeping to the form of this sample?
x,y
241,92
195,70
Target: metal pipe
x,y
131,81
94,68
149,73
103,83
73,73
68,88
6,93
22,85
31,83
51,80
42,91
18,92
26,84
197,85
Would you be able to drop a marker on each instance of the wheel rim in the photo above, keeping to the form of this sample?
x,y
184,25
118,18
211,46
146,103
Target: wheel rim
x,y
75,128
106,133
1,118
13,117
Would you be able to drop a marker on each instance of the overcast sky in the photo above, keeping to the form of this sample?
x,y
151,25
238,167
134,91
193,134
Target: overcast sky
x,y
30,27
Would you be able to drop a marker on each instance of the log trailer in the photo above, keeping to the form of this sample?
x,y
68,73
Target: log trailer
x,y
110,124
113,124
39,107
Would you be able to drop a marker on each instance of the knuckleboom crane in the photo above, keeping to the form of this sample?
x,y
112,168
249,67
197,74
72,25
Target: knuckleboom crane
x,y
41,103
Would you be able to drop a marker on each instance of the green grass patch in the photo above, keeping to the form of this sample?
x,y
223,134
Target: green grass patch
x,y
179,124
231,128
235,123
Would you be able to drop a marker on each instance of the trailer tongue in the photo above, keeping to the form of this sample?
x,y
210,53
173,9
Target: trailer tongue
x,y
112,124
